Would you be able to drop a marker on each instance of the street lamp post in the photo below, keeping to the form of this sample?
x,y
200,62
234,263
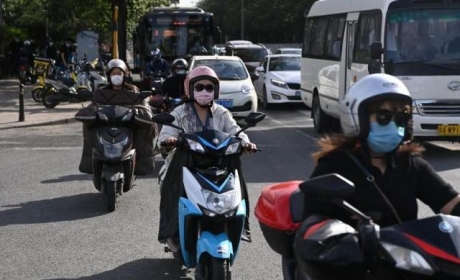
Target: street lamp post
x,y
242,19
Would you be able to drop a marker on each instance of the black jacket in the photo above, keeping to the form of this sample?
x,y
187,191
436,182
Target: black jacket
x,y
144,128
406,179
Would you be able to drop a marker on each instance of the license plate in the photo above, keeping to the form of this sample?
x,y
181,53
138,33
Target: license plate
x,y
227,103
448,130
297,93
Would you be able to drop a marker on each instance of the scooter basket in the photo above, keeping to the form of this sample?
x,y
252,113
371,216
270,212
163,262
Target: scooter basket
x,y
274,216
42,67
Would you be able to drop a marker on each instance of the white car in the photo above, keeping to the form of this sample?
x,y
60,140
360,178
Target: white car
x,y
236,84
279,80
289,51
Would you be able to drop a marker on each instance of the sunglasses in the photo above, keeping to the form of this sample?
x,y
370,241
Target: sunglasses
x,y
384,117
201,87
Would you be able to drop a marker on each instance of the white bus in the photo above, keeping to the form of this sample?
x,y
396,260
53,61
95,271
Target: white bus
x,y
417,41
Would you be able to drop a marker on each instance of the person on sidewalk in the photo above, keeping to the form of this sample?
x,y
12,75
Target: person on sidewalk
x,y
118,92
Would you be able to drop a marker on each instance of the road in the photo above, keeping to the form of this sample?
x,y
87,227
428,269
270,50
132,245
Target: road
x,y
54,225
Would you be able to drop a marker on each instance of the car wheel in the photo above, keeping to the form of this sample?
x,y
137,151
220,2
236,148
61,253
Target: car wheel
x,y
265,102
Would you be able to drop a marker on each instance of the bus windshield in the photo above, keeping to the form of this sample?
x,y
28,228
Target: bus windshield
x,y
178,36
423,41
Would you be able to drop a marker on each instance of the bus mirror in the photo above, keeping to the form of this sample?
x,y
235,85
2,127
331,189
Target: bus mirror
x,y
376,50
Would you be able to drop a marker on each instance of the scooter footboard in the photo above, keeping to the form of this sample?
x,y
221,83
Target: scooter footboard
x,y
218,246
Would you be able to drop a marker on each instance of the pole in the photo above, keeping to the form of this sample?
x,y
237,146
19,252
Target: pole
x,y
242,19
21,102
115,33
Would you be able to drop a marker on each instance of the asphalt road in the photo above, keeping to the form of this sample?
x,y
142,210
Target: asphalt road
x,y
54,225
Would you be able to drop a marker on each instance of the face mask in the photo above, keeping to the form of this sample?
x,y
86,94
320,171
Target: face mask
x,y
116,80
203,97
384,138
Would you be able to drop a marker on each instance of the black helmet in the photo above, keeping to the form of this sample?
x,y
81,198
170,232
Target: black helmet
x,y
155,54
179,66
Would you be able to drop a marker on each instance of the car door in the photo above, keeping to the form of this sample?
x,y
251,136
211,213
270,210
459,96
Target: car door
x,y
259,83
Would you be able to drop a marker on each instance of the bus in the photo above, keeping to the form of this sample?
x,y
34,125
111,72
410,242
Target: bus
x,y
173,30
418,41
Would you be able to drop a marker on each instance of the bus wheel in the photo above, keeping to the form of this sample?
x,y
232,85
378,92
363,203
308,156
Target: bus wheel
x,y
320,119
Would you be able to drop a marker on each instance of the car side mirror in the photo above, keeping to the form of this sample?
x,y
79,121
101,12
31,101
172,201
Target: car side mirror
x,y
260,69
254,76
376,50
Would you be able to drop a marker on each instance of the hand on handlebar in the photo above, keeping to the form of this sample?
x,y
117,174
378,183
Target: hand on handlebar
x,y
169,143
251,148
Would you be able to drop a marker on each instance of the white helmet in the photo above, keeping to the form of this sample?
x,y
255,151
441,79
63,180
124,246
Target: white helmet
x,y
354,117
116,63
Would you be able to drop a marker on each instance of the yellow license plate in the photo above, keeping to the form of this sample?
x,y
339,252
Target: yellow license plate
x,y
448,130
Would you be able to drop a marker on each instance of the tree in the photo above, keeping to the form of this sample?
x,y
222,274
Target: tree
x,y
268,21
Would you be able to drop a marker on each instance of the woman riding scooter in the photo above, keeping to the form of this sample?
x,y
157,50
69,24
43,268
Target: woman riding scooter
x,y
200,112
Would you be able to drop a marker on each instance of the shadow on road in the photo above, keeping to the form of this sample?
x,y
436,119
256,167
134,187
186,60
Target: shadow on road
x,y
143,269
68,208
68,178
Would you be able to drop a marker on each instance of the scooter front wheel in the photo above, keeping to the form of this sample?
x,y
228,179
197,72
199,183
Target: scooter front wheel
x,y
49,99
111,188
210,268
37,94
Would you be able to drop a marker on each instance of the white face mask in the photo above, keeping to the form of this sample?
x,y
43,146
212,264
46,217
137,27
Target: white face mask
x,y
116,80
203,97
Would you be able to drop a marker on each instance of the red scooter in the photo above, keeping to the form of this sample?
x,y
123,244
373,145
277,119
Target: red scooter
x,y
319,248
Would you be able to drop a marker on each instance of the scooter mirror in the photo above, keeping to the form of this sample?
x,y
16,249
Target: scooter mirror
x,y
254,118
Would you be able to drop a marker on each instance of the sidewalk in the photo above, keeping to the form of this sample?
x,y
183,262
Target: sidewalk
x,y
35,114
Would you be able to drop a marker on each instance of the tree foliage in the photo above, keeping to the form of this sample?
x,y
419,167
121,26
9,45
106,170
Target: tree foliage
x,y
268,21
65,18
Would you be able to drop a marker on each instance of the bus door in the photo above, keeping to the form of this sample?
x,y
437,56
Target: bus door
x,y
346,71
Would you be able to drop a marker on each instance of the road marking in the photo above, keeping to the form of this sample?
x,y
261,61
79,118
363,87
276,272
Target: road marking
x,y
43,148
296,130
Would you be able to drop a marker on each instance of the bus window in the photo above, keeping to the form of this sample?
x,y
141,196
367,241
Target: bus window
x,y
334,36
306,50
318,36
369,26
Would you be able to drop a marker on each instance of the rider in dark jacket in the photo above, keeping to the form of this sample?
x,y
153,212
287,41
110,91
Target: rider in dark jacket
x,y
118,92
173,86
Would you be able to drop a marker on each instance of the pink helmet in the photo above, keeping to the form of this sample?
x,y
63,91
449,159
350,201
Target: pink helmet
x,y
201,73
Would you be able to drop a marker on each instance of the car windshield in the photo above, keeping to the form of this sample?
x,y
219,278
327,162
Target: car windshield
x,y
250,55
225,69
284,64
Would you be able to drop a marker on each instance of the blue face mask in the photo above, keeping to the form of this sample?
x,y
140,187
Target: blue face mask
x,y
384,138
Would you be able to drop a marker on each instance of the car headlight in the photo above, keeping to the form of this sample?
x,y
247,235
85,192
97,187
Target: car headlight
x,y
279,84
195,146
113,150
219,203
246,89
233,148
407,259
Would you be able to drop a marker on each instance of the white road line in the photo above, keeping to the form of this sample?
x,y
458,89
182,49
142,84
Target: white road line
x,y
298,131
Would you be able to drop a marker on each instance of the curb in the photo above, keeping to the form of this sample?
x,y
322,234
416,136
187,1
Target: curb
x,y
56,122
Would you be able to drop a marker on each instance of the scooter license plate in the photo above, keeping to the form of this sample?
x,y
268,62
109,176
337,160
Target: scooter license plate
x,y
227,103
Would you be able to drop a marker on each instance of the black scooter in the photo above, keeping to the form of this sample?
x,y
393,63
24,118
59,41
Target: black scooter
x,y
114,155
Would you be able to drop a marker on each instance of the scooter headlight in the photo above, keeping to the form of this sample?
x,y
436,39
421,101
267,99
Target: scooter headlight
x,y
219,203
233,148
407,259
195,146
113,150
